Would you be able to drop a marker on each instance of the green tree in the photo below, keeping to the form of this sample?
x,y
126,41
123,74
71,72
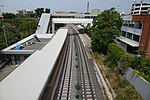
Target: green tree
x,y
39,11
11,35
25,26
16,29
105,26
47,10
9,15
32,15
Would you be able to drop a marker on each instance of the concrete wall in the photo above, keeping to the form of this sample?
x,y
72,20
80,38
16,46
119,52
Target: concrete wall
x,y
140,84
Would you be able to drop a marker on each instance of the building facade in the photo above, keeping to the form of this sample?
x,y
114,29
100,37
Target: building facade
x,y
24,12
131,34
145,37
136,29
140,8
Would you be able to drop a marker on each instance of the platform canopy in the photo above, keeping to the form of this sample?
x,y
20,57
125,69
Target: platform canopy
x,y
29,79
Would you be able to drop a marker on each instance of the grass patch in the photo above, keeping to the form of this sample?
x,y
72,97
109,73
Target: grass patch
x,y
120,85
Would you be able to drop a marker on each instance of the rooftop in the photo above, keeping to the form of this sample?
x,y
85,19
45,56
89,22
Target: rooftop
x,y
27,81
29,44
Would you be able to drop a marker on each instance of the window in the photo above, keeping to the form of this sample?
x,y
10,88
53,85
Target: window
x,y
145,8
138,25
136,38
129,35
123,33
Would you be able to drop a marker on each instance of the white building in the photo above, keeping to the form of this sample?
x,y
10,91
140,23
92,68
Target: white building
x,y
140,8
95,11
24,12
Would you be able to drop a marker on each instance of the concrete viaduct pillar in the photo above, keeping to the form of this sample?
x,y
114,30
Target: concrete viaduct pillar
x,y
53,28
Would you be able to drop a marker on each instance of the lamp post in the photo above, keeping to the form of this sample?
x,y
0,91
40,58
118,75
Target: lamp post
x,y
5,35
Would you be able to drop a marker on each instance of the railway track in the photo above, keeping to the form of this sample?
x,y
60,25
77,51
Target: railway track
x,y
88,92
65,86
87,85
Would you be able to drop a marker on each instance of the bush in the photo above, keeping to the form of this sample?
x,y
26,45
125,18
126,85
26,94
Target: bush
x,y
77,96
77,86
126,61
114,55
77,66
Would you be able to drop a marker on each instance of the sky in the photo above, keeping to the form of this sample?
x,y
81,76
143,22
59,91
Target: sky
x,y
66,5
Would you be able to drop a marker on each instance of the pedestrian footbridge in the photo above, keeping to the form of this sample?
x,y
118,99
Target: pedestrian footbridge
x,y
47,19
70,21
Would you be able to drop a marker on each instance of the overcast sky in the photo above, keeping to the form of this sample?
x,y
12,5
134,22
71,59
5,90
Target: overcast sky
x,y
66,5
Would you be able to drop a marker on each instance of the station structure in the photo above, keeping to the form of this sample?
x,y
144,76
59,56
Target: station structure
x,y
27,82
36,57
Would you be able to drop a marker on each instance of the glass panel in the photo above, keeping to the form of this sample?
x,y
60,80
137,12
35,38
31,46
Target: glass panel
x,y
129,35
136,38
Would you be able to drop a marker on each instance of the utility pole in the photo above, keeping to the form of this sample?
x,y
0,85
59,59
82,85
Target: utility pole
x,y
5,35
1,9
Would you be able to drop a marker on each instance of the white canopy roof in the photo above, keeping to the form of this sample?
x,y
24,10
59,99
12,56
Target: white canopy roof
x,y
128,41
27,81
